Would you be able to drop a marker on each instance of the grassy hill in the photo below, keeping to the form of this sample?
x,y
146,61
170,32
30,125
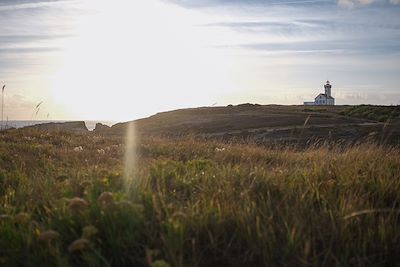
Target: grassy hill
x,y
267,124
210,120
65,201
377,113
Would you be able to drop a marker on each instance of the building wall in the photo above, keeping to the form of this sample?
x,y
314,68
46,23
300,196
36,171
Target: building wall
x,y
323,100
320,100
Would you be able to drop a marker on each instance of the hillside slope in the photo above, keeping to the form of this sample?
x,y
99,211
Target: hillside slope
x,y
261,123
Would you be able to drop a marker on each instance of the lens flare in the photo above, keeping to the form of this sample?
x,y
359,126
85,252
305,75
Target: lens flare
x,y
130,156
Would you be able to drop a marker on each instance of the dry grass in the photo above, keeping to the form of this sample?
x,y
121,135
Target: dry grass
x,y
196,203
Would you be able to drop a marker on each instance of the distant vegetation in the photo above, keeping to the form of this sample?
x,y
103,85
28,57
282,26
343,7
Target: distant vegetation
x,y
64,202
314,110
246,105
376,113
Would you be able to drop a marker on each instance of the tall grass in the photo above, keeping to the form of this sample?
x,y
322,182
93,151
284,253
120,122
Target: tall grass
x,y
2,106
199,203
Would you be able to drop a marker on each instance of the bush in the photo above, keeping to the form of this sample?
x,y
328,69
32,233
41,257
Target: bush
x,y
376,113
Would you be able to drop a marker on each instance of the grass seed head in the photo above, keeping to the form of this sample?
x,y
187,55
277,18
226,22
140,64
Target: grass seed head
x,y
48,235
78,245
22,217
77,205
105,199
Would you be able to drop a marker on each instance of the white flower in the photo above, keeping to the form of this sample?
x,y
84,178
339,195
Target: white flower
x,y
78,149
101,151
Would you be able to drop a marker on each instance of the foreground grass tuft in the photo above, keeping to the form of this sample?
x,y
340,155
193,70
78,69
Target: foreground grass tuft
x,y
195,203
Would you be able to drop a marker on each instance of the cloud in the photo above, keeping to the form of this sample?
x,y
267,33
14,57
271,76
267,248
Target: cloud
x,y
29,50
357,3
324,47
18,5
357,33
266,3
354,3
260,43
274,26
215,3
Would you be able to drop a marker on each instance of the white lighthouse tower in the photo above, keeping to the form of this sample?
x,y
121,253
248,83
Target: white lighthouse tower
x,y
328,88
324,99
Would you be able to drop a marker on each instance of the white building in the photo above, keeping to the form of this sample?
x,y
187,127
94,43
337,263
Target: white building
x,y
323,99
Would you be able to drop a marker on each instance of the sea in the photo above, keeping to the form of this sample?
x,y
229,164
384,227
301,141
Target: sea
x,y
20,124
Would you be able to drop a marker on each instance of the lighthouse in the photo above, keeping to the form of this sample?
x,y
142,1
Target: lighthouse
x,y
323,99
328,88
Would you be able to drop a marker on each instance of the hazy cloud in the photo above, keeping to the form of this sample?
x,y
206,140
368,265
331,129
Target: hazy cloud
x,y
355,3
352,3
242,3
16,5
327,47
211,3
271,46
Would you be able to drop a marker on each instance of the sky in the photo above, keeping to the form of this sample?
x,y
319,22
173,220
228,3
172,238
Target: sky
x,y
126,59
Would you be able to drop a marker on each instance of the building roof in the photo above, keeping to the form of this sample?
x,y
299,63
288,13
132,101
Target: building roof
x,y
330,97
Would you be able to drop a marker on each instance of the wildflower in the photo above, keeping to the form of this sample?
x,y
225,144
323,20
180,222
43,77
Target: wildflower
x,y
77,204
79,244
48,235
104,181
219,149
101,151
105,199
78,149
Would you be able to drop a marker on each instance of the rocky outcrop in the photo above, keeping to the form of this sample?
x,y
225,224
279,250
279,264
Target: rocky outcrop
x,y
70,126
101,128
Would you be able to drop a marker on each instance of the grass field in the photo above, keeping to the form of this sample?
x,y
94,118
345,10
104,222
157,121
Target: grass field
x,y
273,124
377,113
64,201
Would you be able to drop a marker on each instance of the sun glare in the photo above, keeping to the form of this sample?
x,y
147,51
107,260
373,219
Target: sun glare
x,y
133,58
